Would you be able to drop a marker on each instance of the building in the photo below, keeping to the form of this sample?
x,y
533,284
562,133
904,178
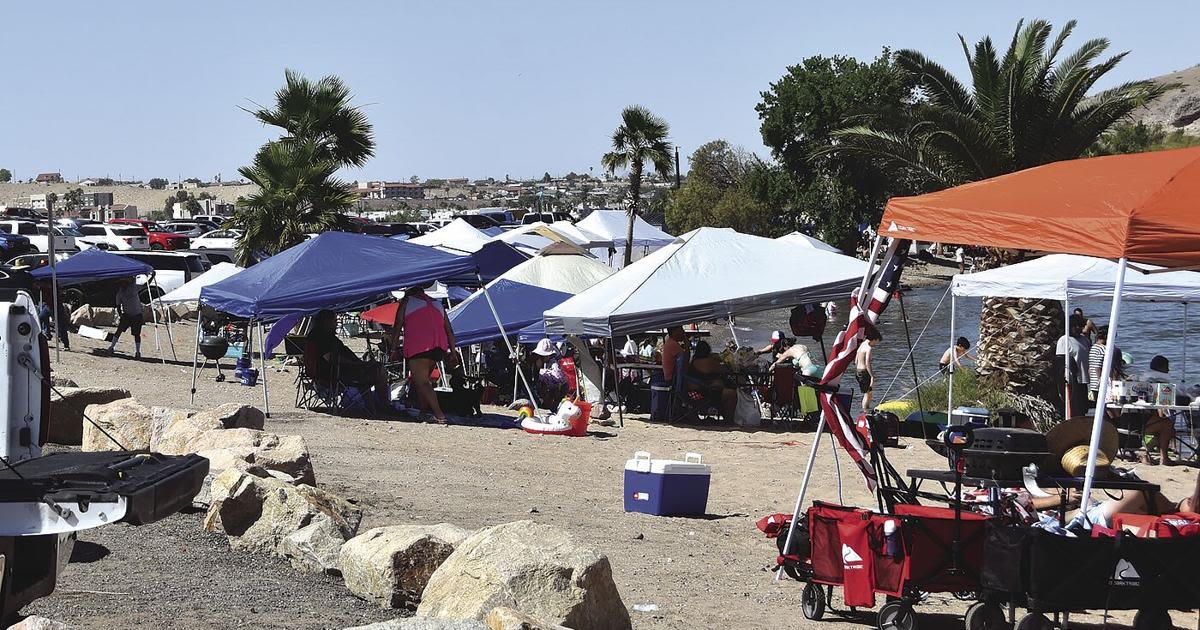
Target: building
x,y
49,178
39,202
390,190
111,211
207,206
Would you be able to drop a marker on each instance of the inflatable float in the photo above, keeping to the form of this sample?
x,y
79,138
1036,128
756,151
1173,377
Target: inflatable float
x,y
570,419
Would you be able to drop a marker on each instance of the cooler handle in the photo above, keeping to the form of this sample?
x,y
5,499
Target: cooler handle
x,y
641,461
692,458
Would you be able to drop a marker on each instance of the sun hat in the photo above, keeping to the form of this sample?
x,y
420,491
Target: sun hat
x,y
544,348
1068,444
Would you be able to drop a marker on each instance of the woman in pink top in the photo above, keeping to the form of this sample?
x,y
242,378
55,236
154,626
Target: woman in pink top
x,y
428,339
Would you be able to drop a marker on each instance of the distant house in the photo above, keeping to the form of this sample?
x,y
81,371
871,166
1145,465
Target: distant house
x,y
122,211
389,190
49,178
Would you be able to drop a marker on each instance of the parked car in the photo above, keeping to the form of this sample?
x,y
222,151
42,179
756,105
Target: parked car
x,y
478,221
171,269
215,256
112,236
502,217
545,217
219,239
158,237
215,219
14,245
392,229
28,262
39,235
75,223
190,229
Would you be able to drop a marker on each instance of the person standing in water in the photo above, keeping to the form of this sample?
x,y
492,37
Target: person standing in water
x,y
862,365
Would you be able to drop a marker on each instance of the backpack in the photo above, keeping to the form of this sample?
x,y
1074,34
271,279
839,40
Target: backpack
x,y
808,320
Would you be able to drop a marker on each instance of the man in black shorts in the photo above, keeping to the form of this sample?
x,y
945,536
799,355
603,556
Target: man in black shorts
x,y
131,315
862,364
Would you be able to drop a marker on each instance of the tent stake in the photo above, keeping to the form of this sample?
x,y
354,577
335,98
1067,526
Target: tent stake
x,y
1102,395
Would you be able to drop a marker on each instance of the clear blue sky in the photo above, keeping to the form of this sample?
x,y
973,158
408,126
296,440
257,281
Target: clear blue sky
x,y
460,88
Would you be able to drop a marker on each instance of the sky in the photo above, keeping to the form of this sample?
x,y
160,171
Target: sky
x,y
143,89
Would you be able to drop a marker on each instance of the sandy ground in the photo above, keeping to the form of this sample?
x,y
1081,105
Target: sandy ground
x,y
709,572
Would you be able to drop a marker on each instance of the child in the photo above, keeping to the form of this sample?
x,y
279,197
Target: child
x,y
862,363
957,354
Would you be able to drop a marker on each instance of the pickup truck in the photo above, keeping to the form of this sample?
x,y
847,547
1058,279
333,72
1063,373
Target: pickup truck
x,y
159,238
38,235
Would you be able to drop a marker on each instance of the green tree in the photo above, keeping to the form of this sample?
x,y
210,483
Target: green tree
x,y
640,139
5,175
546,178
51,199
831,194
718,193
104,181
320,113
1024,108
1137,137
157,183
73,200
297,194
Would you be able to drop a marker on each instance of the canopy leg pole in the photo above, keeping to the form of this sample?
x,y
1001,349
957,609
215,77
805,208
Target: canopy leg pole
x,y
912,362
196,352
953,360
262,371
167,314
496,315
54,283
612,357
808,467
154,317
1183,377
1067,410
1102,393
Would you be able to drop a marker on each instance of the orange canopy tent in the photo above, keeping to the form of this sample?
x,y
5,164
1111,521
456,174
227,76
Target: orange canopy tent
x,y
1144,207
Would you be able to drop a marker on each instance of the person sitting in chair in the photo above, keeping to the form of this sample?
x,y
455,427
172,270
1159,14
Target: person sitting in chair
x,y
707,375
330,359
1160,428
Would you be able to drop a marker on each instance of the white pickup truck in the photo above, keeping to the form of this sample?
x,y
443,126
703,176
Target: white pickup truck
x,y
39,235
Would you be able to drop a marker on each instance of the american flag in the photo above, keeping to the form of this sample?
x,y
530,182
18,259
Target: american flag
x,y
881,287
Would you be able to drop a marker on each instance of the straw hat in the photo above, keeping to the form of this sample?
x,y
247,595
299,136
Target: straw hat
x,y
1068,443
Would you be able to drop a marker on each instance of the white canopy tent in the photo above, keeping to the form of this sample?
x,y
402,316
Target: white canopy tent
x,y
1067,277
457,237
534,237
613,225
706,274
804,240
190,291
582,237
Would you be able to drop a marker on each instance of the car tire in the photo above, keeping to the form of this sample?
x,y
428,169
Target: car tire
x,y
156,247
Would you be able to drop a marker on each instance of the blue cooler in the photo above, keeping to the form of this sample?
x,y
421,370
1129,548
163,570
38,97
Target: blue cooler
x,y
665,487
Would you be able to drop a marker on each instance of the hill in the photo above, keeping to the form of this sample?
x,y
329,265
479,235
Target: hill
x,y
1178,109
146,199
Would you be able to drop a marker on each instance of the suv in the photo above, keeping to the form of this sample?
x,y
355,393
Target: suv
x,y
171,269
190,229
478,221
117,237
503,217
38,235
215,219
545,217
159,238
392,229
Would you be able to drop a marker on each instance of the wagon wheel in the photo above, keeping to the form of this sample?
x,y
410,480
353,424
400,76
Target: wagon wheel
x,y
897,615
985,616
812,602
1152,620
1034,621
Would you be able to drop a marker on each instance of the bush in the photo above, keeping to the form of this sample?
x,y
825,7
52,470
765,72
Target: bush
x,y
972,391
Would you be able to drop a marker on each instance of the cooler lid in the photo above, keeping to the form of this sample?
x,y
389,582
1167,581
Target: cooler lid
x,y
692,464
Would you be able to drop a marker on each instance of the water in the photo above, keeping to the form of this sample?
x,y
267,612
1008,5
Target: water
x,y
1146,329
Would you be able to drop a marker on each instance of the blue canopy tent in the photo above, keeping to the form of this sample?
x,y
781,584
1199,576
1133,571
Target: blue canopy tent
x,y
491,261
96,264
337,271
517,304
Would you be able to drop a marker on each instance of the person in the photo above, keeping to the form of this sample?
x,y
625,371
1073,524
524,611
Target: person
x,y
53,315
794,352
775,347
1075,370
674,345
862,365
1096,356
1159,430
960,257
630,350
428,339
1090,330
707,374
331,359
956,353
131,316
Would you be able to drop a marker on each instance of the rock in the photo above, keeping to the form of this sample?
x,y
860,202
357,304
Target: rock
x,y
183,310
126,420
175,429
538,569
390,566
39,623
58,381
424,624
69,403
284,453
502,618
88,315
314,548
259,513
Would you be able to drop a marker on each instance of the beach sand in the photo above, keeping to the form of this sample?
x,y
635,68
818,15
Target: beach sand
x,y
710,572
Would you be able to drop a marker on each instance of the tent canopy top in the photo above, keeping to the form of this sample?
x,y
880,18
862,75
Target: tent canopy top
x,y
190,291
1142,207
613,225
1067,276
93,264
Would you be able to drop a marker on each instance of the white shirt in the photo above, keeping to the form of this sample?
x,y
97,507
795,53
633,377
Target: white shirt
x,y
1076,357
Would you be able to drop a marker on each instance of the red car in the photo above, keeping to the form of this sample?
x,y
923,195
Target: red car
x,y
159,238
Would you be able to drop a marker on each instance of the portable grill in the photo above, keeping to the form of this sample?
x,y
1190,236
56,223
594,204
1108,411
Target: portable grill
x,y
1001,452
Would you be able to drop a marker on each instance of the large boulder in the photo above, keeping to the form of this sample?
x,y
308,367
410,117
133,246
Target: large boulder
x,y
537,569
126,420
284,453
35,622
88,315
259,513
314,548
67,406
504,618
176,429
390,566
424,624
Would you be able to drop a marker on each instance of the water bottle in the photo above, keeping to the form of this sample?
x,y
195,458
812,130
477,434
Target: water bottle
x,y
891,538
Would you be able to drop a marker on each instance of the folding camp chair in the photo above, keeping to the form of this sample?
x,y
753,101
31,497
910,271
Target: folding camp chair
x,y
783,394
313,390
685,404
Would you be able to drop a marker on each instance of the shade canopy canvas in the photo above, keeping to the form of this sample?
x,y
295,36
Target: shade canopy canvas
x,y
1071,277
93,264
336,271
613,225
457,235
582,237
1144,207
386,313
804,240
190,291
706,274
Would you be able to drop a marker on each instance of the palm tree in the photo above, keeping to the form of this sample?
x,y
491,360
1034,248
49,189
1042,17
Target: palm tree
x,y
297,194
320,113
1026,108
641,138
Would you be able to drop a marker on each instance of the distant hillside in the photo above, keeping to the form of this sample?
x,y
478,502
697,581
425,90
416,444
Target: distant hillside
x,y
1178,109
17,194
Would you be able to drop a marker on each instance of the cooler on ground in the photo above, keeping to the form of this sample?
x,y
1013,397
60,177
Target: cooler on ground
x,y
665,487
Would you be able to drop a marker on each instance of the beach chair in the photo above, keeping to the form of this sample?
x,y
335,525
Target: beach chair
x,y
686,405
783,393
313,390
